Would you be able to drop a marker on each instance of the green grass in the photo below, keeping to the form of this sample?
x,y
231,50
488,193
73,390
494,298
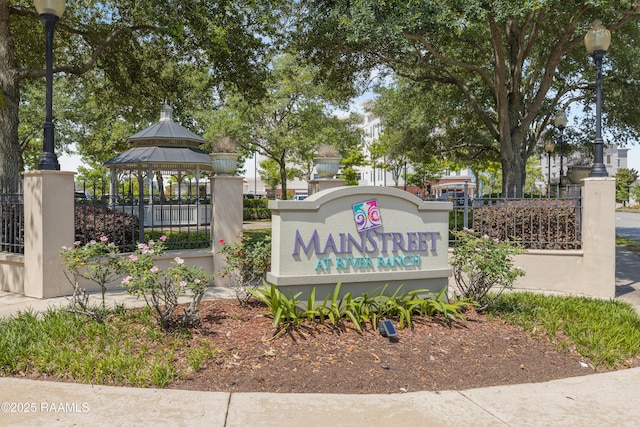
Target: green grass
x,y
258,234
127,350
629,244
605,332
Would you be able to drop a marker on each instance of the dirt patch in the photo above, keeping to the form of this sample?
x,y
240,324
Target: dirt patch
x,y
432,356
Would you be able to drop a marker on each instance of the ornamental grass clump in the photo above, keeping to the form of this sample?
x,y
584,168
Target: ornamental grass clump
x,y
482,264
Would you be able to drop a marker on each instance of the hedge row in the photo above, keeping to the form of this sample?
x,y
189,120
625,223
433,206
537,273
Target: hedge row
x,y
255,209
536,223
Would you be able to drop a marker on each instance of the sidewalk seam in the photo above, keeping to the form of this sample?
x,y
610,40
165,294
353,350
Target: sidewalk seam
x,y
226,415
483,409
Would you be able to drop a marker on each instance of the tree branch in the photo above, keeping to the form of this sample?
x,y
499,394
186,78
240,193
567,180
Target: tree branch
x,y
90,62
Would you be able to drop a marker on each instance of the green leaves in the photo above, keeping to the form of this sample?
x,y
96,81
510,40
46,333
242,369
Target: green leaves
x,y
489,76
482,264
607,332
285,311
288,312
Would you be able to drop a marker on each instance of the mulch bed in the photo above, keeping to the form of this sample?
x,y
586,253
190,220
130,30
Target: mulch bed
x,y
479,352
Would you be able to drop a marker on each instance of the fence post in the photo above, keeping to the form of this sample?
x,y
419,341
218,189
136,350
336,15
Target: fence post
x,y
226,218
49,224
598,237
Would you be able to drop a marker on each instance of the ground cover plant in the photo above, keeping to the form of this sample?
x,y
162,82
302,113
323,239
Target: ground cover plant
x,y
606,332
126,350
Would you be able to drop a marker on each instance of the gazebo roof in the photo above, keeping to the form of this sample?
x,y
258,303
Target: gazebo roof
x,y
162,146
165,158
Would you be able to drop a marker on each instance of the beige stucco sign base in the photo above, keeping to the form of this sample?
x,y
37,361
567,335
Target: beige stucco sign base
x,y
364,237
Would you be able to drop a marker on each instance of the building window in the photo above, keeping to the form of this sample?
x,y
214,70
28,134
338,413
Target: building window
x,y
608,159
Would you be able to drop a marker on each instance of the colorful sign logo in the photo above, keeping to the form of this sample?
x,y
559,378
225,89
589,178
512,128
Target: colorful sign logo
x,y
367,215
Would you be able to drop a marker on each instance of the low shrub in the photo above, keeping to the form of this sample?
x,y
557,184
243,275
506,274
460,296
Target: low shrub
x,y
256,209
177,240
97,261
247,263
161,289
93,221
535,223
101,262
482,264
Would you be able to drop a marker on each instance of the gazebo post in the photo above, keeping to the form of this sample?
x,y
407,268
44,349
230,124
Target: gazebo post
x,y
197,195
140,207
150,177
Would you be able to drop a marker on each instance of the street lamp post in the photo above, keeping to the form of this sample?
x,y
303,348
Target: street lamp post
x,y
597,42
549,149
50,11
560,121
405,175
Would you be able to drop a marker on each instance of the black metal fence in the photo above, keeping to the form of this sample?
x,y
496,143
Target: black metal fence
x,y
182,213
535,221
12,223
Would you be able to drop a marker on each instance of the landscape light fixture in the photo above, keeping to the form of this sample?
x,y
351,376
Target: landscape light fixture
x,y
50,12
597,42
387,329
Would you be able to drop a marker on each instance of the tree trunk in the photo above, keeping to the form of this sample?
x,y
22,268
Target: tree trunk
x,y
513,169
283,180
9,145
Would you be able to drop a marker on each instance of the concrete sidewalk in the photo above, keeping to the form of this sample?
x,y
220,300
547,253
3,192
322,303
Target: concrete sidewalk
x,y
593,400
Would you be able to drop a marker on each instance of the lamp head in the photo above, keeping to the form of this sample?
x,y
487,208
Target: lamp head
x,y
549,147
560,120
54,7
597,38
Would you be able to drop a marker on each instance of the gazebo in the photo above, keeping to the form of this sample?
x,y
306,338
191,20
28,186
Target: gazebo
x,y
163,149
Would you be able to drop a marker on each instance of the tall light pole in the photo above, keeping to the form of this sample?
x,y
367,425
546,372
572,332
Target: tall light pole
x,y
50,11
597,42
405,175
549,149
560,121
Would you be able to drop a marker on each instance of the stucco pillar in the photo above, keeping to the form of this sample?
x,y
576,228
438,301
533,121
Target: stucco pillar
x,y
49,225
317,185
598,237
226,218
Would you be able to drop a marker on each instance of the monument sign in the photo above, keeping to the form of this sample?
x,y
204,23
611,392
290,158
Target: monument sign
x,y
365,237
